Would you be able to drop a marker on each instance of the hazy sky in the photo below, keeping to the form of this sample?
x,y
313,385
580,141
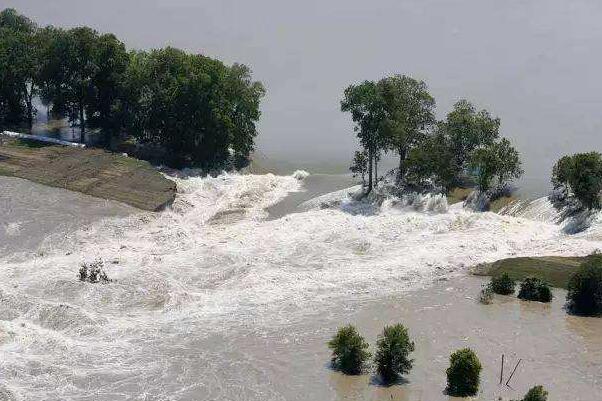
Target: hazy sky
x,y
534,63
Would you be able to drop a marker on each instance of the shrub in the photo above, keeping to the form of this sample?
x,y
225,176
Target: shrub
x,y
534,289
503,284
463,374
349,350
536,393
585,287
486,294
393,349
93,272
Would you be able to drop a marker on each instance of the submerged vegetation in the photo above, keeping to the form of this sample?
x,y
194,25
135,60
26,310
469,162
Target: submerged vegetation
x,y
502,284
464,373
195,110
534,289
397,114
93,273
585,287
349,350
578,178
392,353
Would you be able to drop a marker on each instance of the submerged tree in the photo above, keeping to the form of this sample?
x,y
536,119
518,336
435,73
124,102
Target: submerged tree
x,y
580,175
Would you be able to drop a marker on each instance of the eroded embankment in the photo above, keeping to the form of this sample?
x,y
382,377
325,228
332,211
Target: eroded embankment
x,y
93,172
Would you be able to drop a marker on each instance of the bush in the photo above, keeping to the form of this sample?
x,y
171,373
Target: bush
x,y
534,289
486,294
93,272
503,284
393,348
463,374
349,350
585,287
536,393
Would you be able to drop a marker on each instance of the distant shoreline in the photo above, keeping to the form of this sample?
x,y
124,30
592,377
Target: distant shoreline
x,y
94,172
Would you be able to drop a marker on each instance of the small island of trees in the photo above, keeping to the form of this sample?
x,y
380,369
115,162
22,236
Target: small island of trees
x,y
396,114
193,109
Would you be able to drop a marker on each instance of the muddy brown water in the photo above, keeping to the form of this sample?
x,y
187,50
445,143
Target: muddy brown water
x,y
560,351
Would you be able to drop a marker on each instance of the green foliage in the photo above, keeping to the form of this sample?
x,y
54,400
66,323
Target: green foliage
x,y
502,284
359,165
498,160
408,114
467,130
534,289
431,163
200,111
580,174
463,374
486,294
536,393
392,355
349,350
585,287
194,106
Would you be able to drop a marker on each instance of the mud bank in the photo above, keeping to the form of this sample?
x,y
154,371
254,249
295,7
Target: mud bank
x,y
93,172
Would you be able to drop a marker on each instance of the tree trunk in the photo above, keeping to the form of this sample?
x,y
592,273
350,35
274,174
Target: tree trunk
x,y
376,172
370,160
82,124
402,158
30,108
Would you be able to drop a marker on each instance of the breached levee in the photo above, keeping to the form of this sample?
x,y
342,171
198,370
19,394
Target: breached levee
x,y
189,276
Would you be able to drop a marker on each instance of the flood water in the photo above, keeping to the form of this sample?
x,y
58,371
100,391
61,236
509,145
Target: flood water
x,y
216,299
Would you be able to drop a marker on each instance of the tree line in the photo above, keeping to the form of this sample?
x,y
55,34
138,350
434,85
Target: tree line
x,y
199,110
397,114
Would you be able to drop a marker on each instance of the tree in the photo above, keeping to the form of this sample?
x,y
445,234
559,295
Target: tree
x,y
537,393
365,105
193,106
496,160
408,113
349,350
392,355
19,55
467,130
463,374
79,92
104,109
585,287
581,176
243,96
534,289
503,284
359,165
430,163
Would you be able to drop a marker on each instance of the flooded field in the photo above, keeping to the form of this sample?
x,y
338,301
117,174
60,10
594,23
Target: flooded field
x,y
216,299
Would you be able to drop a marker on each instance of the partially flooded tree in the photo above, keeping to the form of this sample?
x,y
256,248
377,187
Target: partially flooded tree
x,y
359,165
580,175
365,105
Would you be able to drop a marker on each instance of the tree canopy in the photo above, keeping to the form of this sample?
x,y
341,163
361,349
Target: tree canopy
x,y
580,175
199,110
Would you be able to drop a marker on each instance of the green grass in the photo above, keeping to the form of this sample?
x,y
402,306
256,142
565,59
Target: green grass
x,y
555,270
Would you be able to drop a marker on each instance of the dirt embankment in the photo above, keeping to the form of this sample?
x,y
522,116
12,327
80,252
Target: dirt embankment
x,y
93,172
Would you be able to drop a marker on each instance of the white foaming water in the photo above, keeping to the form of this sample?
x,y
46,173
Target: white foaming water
x,y
211,264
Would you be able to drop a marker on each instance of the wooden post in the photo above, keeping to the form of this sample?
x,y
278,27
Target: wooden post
x,y
502,370
510,378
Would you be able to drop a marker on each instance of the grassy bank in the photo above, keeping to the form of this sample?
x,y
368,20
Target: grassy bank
x,y
93,172
555,270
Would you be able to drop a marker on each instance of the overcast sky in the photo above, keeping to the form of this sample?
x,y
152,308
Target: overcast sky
x,y
534,63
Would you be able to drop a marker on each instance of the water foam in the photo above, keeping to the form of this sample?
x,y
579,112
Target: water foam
x,y
211,263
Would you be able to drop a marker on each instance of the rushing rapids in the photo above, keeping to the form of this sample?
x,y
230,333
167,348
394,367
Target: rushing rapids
x,y
213,264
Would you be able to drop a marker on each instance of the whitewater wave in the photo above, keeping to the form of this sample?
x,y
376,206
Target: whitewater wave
x,y
212,262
